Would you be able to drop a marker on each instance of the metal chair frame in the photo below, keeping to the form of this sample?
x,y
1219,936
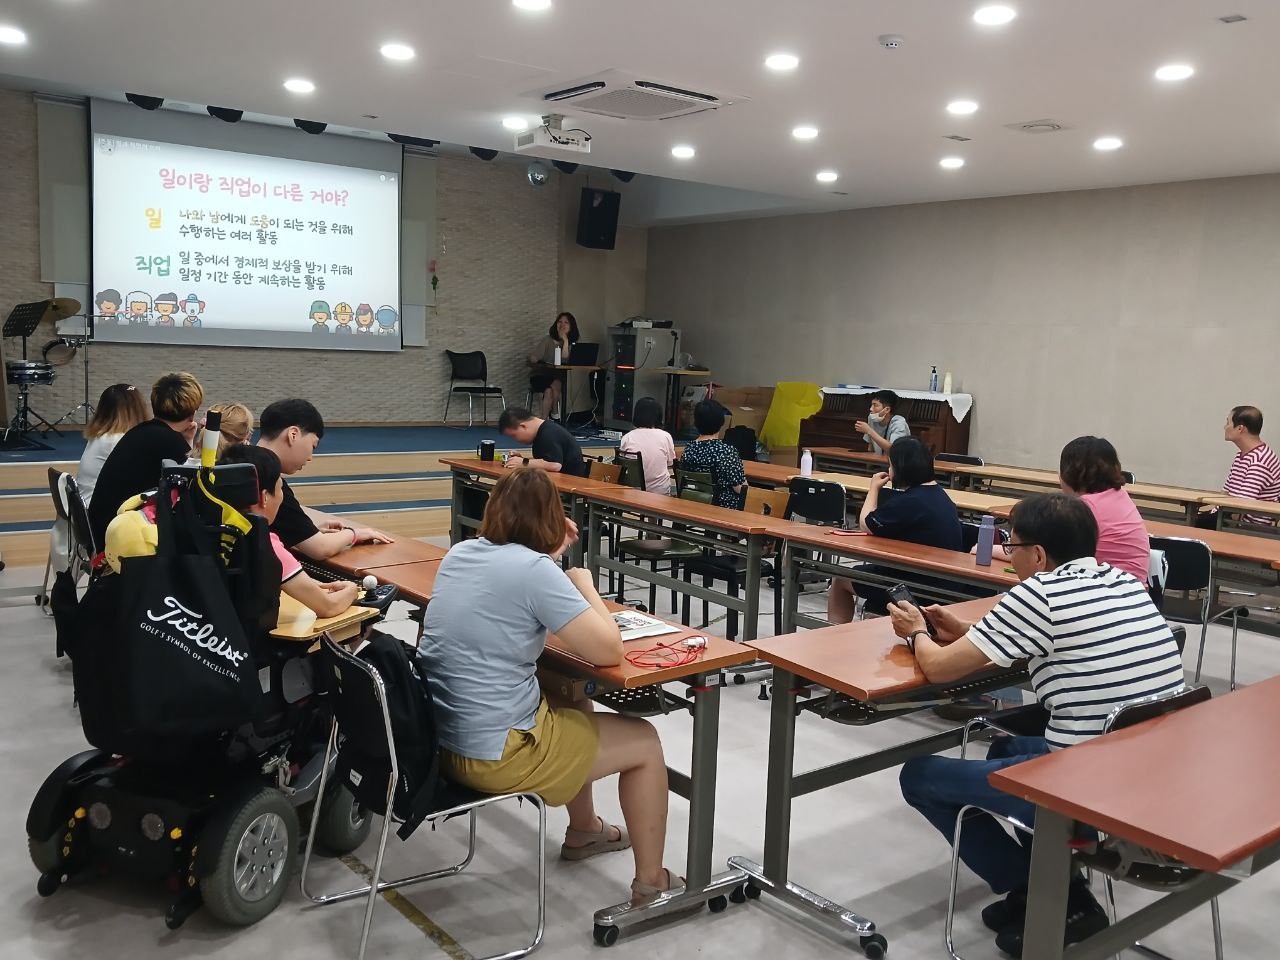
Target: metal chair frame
x,y
484,389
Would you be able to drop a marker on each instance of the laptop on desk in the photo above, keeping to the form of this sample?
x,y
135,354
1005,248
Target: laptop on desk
x,y
583,354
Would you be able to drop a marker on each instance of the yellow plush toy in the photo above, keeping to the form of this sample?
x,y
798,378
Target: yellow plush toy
x,y
130,534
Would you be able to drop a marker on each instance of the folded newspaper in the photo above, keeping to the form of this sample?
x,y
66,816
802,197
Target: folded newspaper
x,y
634,625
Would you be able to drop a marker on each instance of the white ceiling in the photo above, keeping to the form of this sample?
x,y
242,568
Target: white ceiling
x,y
1085,63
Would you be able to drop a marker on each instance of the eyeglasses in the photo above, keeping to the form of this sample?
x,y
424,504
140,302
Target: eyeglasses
x,y
1009,545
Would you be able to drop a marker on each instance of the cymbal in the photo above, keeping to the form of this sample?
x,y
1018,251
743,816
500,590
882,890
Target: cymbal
x,y
66,306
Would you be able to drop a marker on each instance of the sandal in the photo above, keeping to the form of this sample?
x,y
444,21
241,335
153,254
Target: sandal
x,y
645,893
590,843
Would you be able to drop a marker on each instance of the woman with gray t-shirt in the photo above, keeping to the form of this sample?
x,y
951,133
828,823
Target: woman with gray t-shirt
x,y
495,597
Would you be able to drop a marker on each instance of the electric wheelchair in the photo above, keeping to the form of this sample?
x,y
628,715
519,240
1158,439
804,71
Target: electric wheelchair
x,y
214,813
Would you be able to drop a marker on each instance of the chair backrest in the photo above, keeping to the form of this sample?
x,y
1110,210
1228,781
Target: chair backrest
x,y
742,439
969,534
767,503
69,506
1136,711
1128,477
963,458
1190,562
819,502
359,701
468,366
695,480
1157,576
608,472
632,468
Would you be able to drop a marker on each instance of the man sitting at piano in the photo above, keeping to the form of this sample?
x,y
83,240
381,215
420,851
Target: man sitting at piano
x,y
884,425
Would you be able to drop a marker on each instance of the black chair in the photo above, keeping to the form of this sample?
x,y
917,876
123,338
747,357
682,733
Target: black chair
x,y
819,502
471,367
1128,477
961,458
742,439
1191,568
969,534
632,468
69,508
362,722
1114,859
655,550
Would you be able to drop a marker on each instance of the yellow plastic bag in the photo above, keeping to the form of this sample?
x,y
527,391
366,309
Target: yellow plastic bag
x,y
792,402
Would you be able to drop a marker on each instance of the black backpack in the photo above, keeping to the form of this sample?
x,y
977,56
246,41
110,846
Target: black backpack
x,y
409,705
742,439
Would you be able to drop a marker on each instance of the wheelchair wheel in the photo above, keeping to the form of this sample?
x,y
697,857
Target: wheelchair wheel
x,y
344,824
46,855
256,842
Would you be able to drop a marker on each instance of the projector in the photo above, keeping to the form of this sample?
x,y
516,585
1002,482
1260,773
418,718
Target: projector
x,y
552,138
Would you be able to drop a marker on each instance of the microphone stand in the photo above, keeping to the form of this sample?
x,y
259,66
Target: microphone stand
x,y
86,406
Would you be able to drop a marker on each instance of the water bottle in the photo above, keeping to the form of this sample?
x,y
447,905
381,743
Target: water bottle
x,y
946,382
933,379
558,360
806,464
986,540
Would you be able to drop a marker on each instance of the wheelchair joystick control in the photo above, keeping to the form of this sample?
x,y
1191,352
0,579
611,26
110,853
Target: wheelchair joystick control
x,y
370,585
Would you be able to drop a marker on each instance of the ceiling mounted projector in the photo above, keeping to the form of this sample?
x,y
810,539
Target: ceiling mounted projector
x,y
552,137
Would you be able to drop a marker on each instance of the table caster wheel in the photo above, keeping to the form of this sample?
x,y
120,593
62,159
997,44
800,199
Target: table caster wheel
x,y
764,692
605,936
874,946
739,679
738,894
717,904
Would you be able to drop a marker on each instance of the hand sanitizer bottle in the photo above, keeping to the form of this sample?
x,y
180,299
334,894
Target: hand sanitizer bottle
x,y
933,379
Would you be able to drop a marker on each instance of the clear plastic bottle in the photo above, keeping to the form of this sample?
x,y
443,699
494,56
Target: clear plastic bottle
x,y
806,463
558,360
946,382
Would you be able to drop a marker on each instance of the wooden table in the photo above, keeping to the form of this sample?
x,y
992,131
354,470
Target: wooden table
x,y
415,580
1207,792
564,369
716,528
361,559
673,374
810,547
867,663
1244,507
299,623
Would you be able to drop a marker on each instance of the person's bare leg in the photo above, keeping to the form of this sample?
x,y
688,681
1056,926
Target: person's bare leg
x,y
840,601
554,391
582,808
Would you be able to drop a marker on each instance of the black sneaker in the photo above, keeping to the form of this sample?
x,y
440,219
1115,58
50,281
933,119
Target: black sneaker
x,y
1085,917
1007,912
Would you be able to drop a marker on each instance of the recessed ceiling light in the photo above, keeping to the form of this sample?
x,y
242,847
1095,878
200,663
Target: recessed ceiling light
x,y
1108,143
951,163
804,133
682,151
515,123
782,61
828,176
12,35
1175,71
397,51
298,85
962,107
531,4
994,15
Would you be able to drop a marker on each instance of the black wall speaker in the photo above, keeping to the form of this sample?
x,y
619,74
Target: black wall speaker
x,y
598,218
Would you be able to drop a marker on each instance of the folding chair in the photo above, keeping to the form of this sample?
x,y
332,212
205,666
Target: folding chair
x,y
471,366
70,511
361,722
1162,875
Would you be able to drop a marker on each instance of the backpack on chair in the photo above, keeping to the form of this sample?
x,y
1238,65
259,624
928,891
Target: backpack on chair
x,y
742,439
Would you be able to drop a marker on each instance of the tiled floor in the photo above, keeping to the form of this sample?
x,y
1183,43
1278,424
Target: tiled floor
x,y
857,844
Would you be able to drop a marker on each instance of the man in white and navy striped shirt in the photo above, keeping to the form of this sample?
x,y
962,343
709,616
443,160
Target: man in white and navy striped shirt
x,y
1092,639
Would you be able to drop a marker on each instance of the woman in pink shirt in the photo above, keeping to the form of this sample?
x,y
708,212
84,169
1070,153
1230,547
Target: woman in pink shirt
x,y
655,446
1090,468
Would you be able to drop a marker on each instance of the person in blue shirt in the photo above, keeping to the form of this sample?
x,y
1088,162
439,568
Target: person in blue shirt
x,y
916,510
710,454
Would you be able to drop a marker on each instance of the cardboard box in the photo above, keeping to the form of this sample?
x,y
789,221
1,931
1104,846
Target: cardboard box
x,y
748,406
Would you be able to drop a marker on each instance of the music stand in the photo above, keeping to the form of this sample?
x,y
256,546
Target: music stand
x,y
22,322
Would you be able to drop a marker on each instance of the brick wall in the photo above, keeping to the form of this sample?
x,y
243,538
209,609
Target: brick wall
x,y
498,252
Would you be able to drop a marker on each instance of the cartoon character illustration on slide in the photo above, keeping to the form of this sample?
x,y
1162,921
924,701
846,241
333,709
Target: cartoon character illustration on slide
x,y
139,308
386,317
166,307
320,315
192,307
342,317
108,302
364,318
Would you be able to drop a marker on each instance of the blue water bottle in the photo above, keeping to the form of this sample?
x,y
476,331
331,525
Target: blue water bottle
x,y
986,540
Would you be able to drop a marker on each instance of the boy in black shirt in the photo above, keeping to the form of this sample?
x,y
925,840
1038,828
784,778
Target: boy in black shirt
x,y
291,429
133,467
554,448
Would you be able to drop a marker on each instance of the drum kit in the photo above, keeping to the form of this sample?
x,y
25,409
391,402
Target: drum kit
x,y
27,373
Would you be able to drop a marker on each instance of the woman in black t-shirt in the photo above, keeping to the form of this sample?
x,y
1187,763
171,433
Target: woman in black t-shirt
x,y
917,510
134,465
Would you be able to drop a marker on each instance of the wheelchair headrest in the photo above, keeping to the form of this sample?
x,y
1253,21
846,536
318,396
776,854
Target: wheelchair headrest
x,y
236,484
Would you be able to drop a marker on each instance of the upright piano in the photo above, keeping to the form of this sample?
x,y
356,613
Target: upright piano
x,y
931,418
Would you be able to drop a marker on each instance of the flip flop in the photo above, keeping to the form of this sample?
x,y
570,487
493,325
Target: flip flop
x,y
589,843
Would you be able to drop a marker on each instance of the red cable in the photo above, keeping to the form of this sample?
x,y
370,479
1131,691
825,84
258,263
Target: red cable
x,y
665,655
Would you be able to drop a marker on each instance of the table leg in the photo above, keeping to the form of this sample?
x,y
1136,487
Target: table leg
x,y
790,588
1047,890
564,397
592,558
751,617
782,745
673,401
455,514
702,783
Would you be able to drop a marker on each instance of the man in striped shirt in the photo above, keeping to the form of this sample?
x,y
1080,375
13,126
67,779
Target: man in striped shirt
x,y
1255,471
1092,639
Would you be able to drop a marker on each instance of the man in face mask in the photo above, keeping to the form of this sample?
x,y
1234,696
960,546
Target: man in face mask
x,y
884,425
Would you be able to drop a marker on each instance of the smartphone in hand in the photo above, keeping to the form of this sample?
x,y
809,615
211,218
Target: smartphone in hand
x,y
899,593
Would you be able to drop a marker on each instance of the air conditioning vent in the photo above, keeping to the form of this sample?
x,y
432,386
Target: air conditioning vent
x,y
629,97
957,138
1038,126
